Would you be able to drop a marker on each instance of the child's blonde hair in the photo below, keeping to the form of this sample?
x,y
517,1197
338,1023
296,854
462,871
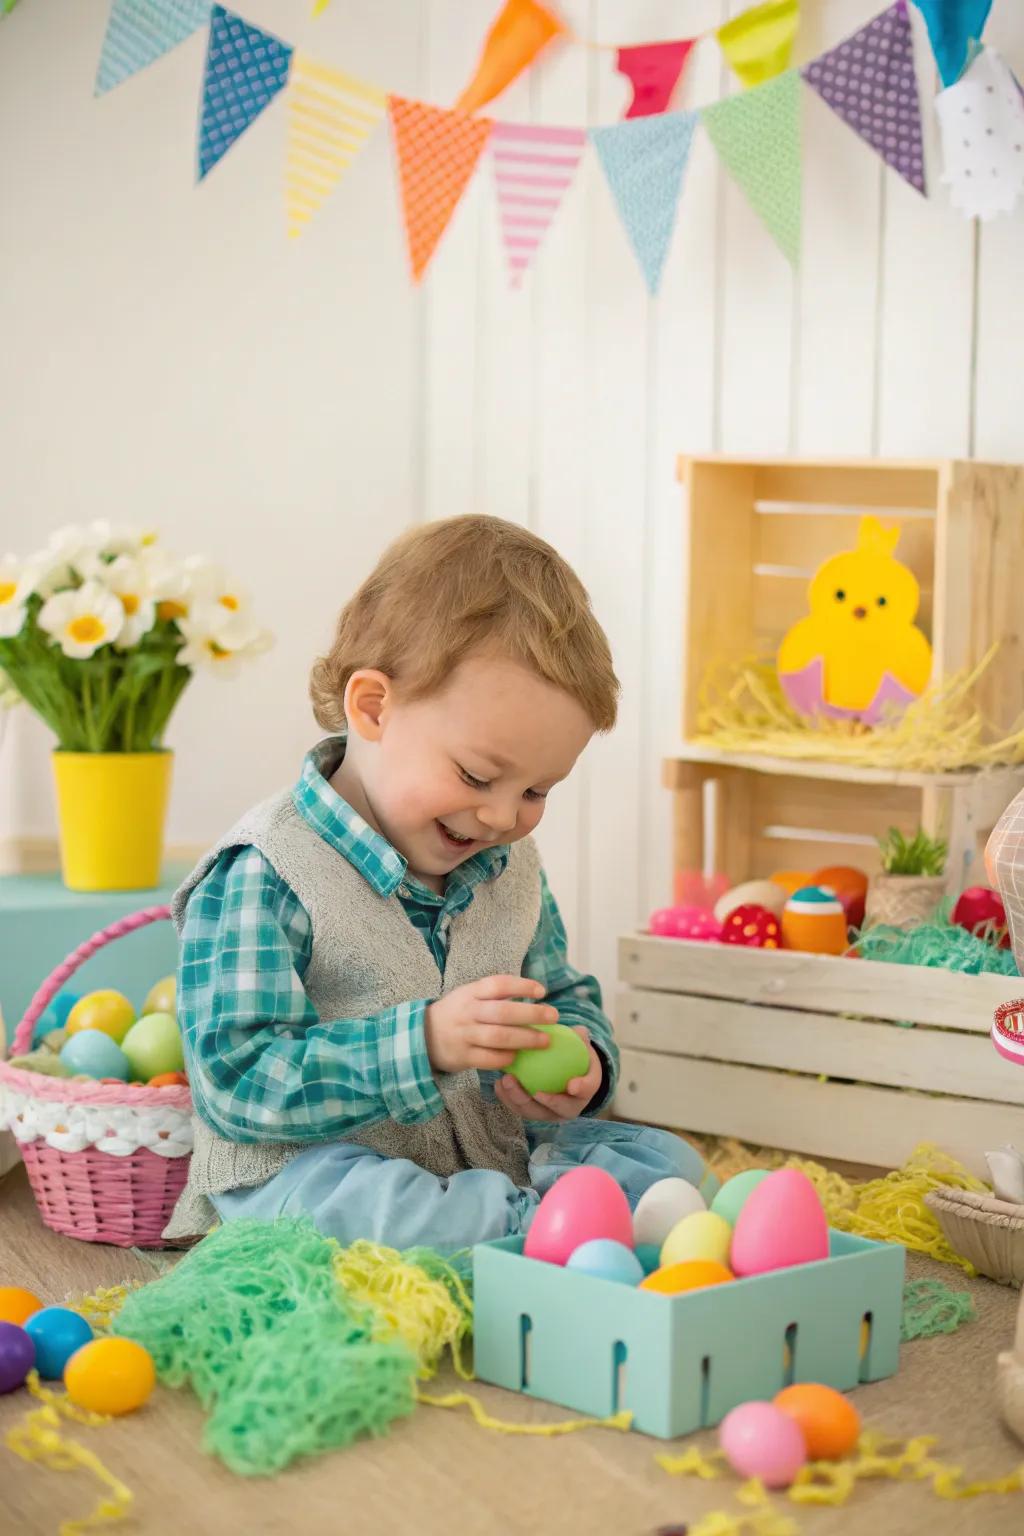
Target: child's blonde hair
x,y
447,590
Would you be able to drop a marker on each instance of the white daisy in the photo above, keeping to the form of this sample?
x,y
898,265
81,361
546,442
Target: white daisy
x,y
219,641
84,619
17,583
128,579
207,583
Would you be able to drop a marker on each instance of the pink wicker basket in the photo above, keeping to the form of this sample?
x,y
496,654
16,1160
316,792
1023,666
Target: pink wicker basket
x,y
106,1161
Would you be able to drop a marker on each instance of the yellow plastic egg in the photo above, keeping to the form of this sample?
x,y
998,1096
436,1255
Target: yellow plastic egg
x,y
110,1376
702,1235
161,997
108,1011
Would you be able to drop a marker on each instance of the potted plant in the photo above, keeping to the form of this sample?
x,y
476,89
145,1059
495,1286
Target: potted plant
x,y
100,634
912,883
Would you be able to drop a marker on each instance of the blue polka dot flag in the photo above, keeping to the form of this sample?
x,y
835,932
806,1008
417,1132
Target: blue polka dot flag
x,y
245,69
644,159
140,31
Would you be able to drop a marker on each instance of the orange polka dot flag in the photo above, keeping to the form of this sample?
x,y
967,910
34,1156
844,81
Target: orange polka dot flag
x,y
437,154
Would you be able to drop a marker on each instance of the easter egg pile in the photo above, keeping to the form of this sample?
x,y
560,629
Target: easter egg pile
x,y
758,1221
100,1036
106,1375
792,910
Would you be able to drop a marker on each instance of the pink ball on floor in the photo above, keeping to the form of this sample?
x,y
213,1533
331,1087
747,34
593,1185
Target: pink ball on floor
x,y
695,923
759,1440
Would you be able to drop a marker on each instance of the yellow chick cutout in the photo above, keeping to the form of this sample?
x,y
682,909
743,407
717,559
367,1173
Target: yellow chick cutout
x,y
858,654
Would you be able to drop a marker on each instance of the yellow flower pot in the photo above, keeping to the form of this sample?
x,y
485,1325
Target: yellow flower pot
x,y
112,807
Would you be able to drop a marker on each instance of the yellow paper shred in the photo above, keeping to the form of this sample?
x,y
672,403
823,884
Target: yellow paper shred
x,y
502,1426
38,1438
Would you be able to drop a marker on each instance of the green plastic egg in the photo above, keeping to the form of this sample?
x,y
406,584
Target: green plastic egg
x,y
548,1071
734,1193
153,1046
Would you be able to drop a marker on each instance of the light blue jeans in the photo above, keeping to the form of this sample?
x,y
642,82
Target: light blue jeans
x,y
351,1192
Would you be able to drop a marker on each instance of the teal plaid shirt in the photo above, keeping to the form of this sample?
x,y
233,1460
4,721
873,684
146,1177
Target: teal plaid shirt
x,y
261,1063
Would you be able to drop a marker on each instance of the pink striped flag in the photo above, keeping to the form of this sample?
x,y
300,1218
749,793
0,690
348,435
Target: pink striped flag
x,y
533,167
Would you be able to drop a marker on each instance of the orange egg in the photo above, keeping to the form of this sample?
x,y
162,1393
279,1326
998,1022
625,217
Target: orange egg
x,y
17,1304
689,1275
168,1080
829,1421
791,879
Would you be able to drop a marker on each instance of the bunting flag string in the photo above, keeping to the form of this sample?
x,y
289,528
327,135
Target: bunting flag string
x,y
870,82
533,169
142,31
653,70
644,162
757,137
245,69
330,117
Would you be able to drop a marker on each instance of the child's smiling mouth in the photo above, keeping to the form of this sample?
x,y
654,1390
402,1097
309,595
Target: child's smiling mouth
x,y
454,839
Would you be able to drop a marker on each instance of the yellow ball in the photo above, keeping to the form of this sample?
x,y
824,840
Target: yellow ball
x,y
161,998
110,1012
110,1376
701,1235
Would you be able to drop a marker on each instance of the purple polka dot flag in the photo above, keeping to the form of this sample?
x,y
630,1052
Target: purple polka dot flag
x,y
245,69
869,81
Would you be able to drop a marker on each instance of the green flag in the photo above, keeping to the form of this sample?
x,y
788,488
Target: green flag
x,y
757,136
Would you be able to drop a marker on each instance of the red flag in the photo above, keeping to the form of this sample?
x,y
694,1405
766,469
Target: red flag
x,y
653,70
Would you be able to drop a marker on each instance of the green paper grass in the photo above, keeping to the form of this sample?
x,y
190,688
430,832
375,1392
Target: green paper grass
x,y
940,946
930,1307
254,1320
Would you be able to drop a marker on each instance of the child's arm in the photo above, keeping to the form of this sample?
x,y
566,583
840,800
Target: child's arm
x,y
261,1065
576,997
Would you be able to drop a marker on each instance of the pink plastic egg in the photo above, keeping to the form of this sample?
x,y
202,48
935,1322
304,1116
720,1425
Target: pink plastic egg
x,y
782,1222
759,1440
695,923
583,1204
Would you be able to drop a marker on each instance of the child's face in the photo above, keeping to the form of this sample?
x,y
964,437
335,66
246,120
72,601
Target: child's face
x,y
469,767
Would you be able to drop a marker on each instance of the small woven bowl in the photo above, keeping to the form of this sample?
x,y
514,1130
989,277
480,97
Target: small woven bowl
x,y
987,1232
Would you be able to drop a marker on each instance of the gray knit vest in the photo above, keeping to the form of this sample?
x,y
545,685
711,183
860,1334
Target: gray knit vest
x,y
367,956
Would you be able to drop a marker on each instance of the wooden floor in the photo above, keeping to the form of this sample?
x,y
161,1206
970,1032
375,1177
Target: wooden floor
x,y
437,1474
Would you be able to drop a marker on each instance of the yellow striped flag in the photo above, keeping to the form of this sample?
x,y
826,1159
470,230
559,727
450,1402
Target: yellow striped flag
x,y
330,117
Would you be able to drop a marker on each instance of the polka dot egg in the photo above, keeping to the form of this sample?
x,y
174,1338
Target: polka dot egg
x,y
752,926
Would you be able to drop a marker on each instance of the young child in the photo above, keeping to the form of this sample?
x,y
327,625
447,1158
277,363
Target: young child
x,y
362,956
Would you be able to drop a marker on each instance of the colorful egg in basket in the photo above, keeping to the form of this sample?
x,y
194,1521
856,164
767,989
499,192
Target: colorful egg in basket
x,y
113,1177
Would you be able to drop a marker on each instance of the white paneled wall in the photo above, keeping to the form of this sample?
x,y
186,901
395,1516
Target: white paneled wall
x,y
169,356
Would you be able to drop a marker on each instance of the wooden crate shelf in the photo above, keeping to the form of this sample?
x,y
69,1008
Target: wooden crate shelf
x,y
813,1053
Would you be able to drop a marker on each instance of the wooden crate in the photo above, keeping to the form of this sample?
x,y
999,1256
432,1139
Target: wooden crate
x,y
757,529
747,816
811,1053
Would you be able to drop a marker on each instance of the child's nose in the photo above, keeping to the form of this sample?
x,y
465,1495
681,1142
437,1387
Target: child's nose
x,y
499,815
860,613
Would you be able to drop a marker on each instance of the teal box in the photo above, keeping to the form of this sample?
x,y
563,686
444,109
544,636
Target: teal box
x,y
41,922
680,1363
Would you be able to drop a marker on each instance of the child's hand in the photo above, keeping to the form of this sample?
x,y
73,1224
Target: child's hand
x,y
484,1024
554,1106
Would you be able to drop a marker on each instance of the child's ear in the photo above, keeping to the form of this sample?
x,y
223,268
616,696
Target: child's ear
x,y
365,697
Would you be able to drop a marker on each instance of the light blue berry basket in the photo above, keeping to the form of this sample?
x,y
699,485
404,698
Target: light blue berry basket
x,y
680,1363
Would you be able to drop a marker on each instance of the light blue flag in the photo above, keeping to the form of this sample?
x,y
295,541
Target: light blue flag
x,y
245,69
952,24
140,31
644,159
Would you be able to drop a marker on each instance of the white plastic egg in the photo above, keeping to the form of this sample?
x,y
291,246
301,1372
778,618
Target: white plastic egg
x,y
760,893
663,1207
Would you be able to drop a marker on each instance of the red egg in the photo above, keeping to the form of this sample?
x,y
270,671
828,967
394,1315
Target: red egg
x,y
850,885
981,912
752,926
